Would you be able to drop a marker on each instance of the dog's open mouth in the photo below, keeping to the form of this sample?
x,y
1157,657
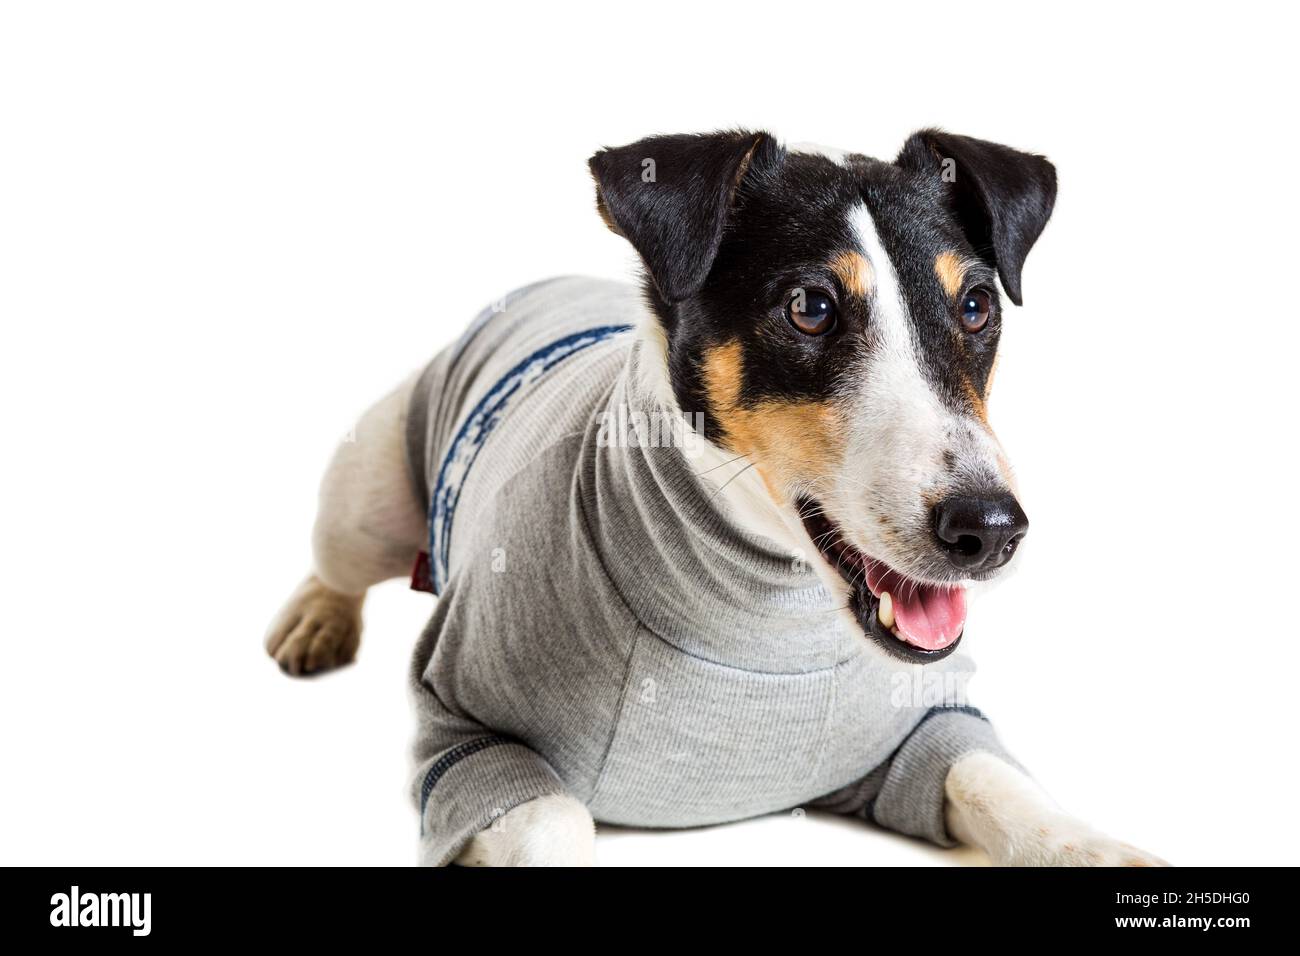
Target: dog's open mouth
x,y
909,618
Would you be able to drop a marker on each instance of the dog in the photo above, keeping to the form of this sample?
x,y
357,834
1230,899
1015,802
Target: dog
x,y
702,547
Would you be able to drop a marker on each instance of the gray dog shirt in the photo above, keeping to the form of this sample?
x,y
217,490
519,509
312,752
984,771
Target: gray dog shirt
x,y
604,630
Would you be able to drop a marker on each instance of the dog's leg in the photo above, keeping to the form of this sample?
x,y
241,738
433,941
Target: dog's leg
x,y
485,798
994,806
369,528
555,830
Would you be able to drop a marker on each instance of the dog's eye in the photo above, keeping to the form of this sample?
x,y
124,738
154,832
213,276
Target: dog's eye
x,y
975,306
811,312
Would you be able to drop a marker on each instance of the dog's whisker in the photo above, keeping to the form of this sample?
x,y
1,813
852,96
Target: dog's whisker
x,y
706,471
730,480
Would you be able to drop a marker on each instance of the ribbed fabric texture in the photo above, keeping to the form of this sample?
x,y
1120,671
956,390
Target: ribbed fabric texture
x,y
911,799
602,615
488,785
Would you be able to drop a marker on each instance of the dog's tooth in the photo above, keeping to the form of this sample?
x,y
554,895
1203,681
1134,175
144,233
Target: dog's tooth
x,y
886,611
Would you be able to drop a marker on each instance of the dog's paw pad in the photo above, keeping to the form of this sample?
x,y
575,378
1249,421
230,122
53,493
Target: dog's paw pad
x,y
318,630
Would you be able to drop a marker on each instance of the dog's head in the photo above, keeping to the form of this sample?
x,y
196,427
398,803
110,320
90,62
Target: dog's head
x,y
836,320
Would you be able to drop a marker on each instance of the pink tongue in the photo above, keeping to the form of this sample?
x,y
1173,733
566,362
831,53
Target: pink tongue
x,y
926,616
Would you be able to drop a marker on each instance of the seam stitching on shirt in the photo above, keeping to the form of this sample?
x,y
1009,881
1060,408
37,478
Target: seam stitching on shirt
x,y
834,694
618,710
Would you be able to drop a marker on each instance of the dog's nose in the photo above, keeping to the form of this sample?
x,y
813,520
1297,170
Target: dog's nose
x,y
980,532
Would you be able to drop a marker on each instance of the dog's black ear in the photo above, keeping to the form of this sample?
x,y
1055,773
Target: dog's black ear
x,y
670,196
1002,197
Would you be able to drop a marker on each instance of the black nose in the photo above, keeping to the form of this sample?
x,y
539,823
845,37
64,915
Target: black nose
x,y
979,532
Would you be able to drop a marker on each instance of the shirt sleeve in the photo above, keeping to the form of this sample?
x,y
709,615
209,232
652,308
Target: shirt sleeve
x,y
906,792
467,777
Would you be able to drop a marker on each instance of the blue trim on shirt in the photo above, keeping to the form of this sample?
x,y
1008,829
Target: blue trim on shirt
x,y
951,708
478,425
448,760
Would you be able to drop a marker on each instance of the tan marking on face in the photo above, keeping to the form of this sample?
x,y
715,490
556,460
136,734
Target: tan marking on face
x,y
788,441
951,270
988,383
723,375
854,272
976,400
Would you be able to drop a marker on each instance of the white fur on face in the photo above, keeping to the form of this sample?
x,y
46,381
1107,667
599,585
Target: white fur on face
x,y
900,432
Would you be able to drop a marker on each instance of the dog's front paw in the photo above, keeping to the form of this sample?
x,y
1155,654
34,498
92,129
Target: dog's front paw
x,y
318,630
998,808
555,830
1068,842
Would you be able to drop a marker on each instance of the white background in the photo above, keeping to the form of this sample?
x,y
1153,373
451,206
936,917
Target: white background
x,y
226,228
